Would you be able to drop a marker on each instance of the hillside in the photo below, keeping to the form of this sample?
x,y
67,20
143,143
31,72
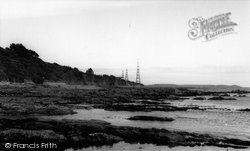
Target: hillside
x,y
18,64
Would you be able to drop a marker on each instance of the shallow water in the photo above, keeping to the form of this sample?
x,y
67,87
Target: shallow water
x,y
240,103
232,123
121,146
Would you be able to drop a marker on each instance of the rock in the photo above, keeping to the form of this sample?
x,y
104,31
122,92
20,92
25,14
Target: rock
x,y
199,98
217,98
27,106
230,98
246,110
35,125
242,95
57,110
32,135
103,139
221,98
172,97
77,139
141,107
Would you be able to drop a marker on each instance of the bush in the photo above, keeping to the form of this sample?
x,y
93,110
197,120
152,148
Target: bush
x,y
90,72
37,79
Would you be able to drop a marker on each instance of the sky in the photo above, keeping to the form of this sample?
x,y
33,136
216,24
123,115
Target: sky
x,y
111,35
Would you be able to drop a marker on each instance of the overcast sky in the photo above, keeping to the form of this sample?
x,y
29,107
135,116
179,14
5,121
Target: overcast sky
x,y
109,36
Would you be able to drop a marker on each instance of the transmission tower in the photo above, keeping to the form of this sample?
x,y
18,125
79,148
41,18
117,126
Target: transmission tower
x,y
122,74
138,79
126,76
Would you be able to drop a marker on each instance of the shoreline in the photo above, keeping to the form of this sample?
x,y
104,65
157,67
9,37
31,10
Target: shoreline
x,y
17,105
72,133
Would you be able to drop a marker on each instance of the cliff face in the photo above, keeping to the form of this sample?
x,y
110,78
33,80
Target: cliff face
x,y
18,63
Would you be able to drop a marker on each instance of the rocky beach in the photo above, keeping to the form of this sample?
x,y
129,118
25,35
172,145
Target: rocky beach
x,y
23,108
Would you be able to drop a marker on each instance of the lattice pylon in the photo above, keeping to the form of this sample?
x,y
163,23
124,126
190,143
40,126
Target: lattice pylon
x,y
122,74
126,76
138,78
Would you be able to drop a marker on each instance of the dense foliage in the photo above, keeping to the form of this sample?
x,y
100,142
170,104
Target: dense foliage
x,y
17,64
37,79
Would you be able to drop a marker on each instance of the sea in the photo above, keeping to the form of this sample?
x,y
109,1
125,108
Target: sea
x,y
221,119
